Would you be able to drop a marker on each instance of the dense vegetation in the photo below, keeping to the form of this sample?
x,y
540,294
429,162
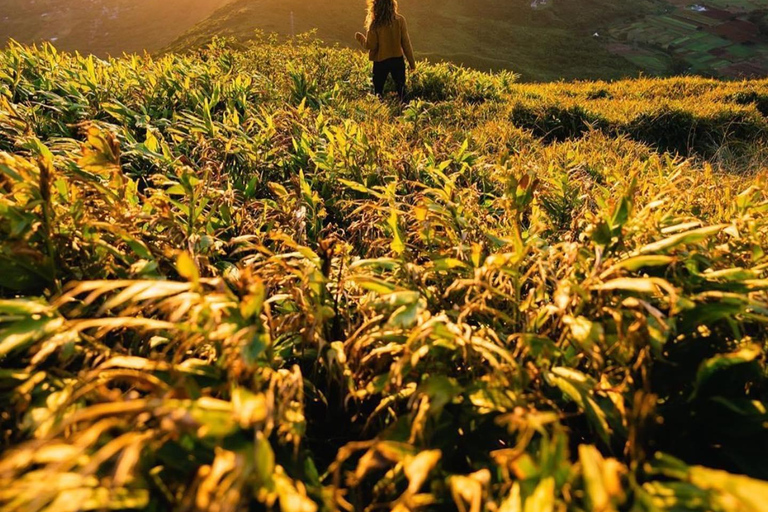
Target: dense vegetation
x,y
235,281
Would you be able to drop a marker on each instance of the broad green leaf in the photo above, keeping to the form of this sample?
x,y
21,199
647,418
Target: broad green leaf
x,y
381,263
357,187
136,363
24,333
256,346
710,368
578,387
264,459
621,212
631,284
584,332
373,284
23,307
398,238
249,408
488,398
27,277
689,237
215,418
731,274
447,264
405,316
639,262
402,298
176,190
441,391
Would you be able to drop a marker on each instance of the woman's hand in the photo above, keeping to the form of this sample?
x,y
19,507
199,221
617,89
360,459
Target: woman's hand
x,y
360,38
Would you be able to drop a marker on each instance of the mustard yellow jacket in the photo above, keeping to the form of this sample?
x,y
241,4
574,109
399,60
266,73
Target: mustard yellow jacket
x,y
389,41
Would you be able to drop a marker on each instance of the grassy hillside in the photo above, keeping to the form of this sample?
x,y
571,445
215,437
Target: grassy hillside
x,y
233,280
102,27
547,44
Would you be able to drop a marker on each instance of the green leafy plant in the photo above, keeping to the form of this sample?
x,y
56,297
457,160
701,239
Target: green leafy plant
x,y
228,287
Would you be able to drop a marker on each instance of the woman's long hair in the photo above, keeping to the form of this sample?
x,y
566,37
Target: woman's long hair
x,y
381,13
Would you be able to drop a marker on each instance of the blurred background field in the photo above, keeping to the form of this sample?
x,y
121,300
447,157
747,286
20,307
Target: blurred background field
x,y
102,27
540,40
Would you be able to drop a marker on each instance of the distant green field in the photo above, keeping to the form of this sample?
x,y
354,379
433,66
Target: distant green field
x,y
741,51
655,64
691,37
745,5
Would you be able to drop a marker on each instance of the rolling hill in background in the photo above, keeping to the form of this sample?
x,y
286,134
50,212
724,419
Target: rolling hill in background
x,y
101,27
540,40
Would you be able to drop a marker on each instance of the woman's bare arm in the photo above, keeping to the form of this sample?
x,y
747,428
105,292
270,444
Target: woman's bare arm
x,y
369,41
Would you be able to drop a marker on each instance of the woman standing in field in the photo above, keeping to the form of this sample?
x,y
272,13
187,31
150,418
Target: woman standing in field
x,y
388,45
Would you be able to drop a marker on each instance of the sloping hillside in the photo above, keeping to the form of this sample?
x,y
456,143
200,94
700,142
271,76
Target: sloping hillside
x,y
235,280
102,27
547,44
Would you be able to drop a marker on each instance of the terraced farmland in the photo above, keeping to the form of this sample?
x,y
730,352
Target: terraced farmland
x,y
719,38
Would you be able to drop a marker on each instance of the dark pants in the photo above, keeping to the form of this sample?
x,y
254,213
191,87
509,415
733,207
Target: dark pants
x,y
384,68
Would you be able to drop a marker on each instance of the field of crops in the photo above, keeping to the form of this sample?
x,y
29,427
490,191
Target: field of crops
x,y
721,39
234,280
